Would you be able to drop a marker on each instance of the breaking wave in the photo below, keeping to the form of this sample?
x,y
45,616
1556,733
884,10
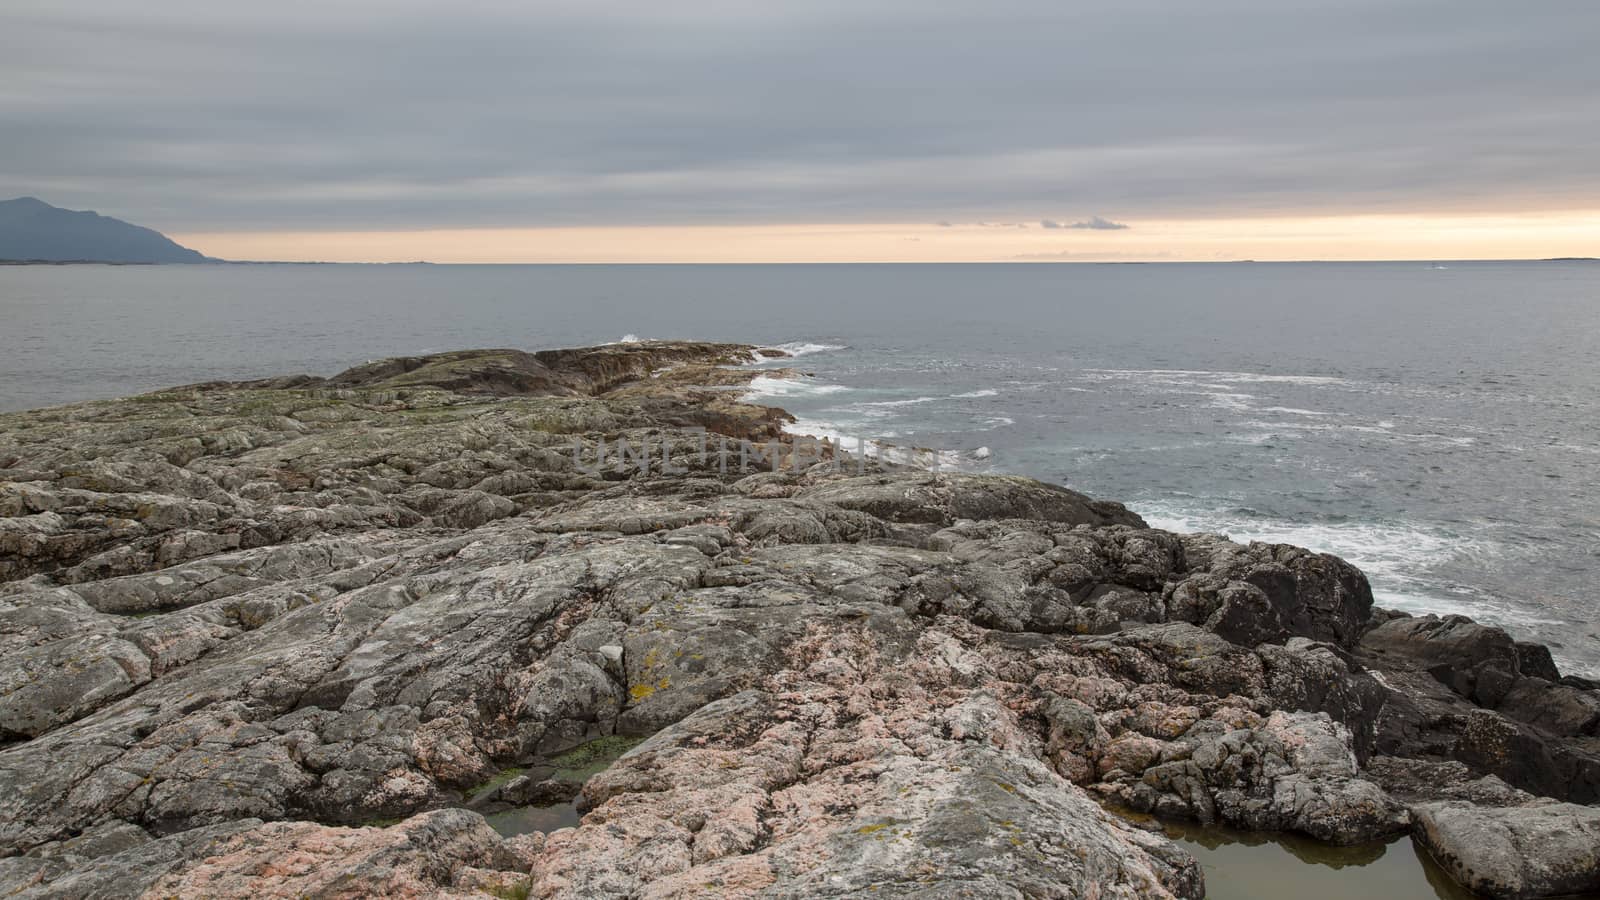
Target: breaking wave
x,y
800,348
1398,557
773,386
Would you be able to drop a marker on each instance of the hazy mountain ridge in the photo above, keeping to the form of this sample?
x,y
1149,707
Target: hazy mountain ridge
x,y
32,230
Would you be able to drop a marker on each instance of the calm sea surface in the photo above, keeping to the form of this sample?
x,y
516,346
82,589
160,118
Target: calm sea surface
x,y
1438,426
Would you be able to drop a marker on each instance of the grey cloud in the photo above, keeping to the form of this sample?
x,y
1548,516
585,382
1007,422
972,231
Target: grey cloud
x,y
1097,223
191,115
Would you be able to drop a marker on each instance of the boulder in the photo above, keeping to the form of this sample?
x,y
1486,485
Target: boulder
x,y
1514,853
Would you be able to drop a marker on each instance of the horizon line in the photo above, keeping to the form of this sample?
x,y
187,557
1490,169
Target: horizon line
x,y
24,263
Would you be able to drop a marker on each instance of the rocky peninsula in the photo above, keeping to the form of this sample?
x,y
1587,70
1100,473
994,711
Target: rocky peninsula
x,y
298,637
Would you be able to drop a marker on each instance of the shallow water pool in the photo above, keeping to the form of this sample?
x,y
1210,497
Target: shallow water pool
x,y
528,819
1246,865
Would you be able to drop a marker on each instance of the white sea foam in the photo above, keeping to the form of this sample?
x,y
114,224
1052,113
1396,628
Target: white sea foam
x,y
801,348
1431,439
1225,400
842,435
881,407
625,339
776,386
1379,428
1221,389
1396,556
1294,411
873,404
944,460
1374,546
1029,387
1256,377
1183,376
879,448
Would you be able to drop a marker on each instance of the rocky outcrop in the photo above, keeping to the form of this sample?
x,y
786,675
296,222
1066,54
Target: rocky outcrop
x,y
1468,692
284,637
448,853
1538,850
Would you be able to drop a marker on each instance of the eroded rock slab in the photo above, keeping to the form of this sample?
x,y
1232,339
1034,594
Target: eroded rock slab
x,y
267,638
1537,850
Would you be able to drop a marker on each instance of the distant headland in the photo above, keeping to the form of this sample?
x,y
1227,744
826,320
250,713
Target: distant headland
x,y
33,231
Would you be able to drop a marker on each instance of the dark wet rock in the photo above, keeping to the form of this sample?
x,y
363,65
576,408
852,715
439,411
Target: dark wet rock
x,y
525,791
1456,650
1312,595
1485,665
243,622
942,499
1411,780
1457,690
1534,660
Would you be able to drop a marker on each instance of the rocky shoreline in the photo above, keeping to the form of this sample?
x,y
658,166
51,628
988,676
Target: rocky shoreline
x,y
292,637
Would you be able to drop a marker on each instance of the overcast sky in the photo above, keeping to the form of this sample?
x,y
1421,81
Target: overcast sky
x,y
209,115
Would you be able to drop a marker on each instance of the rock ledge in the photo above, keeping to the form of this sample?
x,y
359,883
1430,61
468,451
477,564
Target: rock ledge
x,y
274,638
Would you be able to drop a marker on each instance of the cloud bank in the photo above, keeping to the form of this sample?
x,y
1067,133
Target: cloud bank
x,y
192,115
1094,223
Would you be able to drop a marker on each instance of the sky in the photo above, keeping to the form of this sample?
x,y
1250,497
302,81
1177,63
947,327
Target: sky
x,y
848,130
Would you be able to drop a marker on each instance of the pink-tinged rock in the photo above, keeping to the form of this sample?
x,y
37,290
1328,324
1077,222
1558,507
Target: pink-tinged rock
x,y
871,783
1130,753
446,751
449,853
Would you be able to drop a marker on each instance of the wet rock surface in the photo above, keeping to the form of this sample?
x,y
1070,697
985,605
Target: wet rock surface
x,y
284,637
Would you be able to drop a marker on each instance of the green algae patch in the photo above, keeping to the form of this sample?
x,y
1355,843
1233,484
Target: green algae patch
x,y
495,783
519,891
586,760
573,767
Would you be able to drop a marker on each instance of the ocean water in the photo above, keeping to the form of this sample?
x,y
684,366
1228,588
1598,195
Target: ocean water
x,y
1437,425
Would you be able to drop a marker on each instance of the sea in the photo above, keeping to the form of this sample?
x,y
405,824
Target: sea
x,y
1435,423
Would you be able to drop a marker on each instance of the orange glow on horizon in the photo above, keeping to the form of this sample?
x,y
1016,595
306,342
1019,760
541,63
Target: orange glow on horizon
x,y
1364,237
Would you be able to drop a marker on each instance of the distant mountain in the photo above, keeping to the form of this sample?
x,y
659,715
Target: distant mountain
x,y
33,230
